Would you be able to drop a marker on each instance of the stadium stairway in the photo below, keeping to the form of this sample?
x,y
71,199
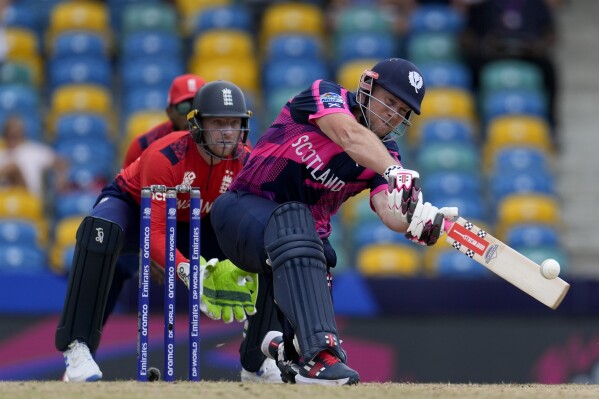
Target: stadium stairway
x,y
579,161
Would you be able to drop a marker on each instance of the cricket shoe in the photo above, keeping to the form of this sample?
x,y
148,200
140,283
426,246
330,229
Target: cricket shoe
x,y
268,373
326,369
80,364
273,348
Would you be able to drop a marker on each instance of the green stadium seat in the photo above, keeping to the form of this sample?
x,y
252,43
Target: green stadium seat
x,y
160,17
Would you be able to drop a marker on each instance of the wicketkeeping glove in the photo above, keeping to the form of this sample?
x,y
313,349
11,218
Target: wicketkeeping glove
x,y
403,191
227,292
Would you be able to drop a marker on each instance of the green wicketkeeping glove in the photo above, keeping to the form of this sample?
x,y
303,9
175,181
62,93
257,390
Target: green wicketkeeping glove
x,y
227,291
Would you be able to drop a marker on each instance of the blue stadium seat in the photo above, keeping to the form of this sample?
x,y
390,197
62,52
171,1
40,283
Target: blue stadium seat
x,y
72,43
521,159
294,46
89,159
521,182
436,18
454,264
375,232
451,130
74,203
150,71
234,16
514,102
18,231
360,45
144,98
471,206
24,259
532,235
19,99
81,125
80,70
149,43
446,74
293,73
21,15
451,183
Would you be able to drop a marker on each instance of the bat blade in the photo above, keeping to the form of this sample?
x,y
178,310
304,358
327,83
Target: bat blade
x,y
506,262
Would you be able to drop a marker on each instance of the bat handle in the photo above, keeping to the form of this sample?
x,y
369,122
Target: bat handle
x,y
447,225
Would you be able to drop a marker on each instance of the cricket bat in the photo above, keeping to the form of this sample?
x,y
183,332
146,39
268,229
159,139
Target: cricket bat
x,y
505,261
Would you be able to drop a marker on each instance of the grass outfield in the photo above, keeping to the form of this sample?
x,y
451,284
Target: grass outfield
x,y
237,390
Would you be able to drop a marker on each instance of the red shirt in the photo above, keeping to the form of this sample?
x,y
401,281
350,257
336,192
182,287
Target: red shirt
x,y
142,142
170,161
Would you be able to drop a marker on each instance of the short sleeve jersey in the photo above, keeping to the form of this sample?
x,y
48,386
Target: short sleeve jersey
x,y
295,161
171,161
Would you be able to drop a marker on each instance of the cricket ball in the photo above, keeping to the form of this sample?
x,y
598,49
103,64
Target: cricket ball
x,y
550,268
153,374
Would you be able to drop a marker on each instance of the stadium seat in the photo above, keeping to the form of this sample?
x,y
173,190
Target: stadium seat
x,y
64,240
19,232
20,99
19,15
80,98
139,123
74,203
223,43
526,208
432,46
454,264
361,45
539,253
243,72
233,16
519,159
89,160
20,43
150,71
517,131
78,43
452,183
356,18
449,103
448,74
24,259
79,70
293,46
275,101
380,260
16,203
436,18
290,17
293,74
190,9
375,232
162,45
144,98
530,182
349,73
81,126
532,235
78,15
510,74
458,157
154,17
16,73
446,129
513,102
472,206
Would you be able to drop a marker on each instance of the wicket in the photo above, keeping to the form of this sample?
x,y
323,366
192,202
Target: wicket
x,y
170,194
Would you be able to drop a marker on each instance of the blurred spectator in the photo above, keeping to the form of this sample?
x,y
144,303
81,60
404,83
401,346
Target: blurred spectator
x,y
24,163
520,29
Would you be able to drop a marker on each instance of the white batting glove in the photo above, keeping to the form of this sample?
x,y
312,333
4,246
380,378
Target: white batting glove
x,y
403,191
427,223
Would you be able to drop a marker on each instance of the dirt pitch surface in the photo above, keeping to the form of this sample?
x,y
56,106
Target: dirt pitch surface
x,y
237,390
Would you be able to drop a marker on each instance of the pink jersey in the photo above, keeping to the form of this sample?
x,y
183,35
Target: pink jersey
x,y
295,161
170,161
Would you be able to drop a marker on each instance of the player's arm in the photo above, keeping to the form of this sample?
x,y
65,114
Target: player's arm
x,y
358,142
381,207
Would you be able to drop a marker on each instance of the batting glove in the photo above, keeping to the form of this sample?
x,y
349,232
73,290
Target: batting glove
x,y
427,223
403,191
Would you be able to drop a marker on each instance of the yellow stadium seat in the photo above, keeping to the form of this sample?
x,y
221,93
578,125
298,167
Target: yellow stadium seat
x,y
517,131
291,17
34,63
526,208
389,260
349,73
64,237
79,15
189,9
218,43
139,123
21,43
243,72
80,98
349,210
20,204
449,102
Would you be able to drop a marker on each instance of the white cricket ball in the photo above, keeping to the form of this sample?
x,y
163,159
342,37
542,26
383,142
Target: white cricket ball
x,y
550,268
